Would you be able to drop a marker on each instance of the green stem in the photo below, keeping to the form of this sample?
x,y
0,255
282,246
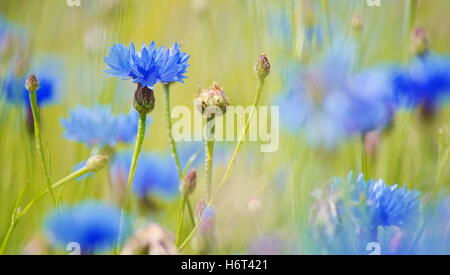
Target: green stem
x,y
11,227
137,148
132,171
191,213
259,88
180,221
37,137
412,13
209,148
15,219
174,147
169,130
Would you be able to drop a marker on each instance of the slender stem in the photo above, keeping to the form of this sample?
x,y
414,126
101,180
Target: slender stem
x,y
61,182
137,148
11,227
180,221
174,148
15,219
259,88
37,137
169,130
191,213
134,161
209,148
412,13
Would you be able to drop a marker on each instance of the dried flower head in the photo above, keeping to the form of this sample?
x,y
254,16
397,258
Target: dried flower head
x,y
212,101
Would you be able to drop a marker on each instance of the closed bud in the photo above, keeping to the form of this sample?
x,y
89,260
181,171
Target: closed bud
x,y
187,185
357,23
32,83
96,163
262,66
144,99
212,101
420,42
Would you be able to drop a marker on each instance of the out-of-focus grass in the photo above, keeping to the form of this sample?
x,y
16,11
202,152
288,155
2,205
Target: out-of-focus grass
x,y
223,37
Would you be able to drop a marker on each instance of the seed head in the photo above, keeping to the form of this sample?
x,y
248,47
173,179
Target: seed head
x,y
211,101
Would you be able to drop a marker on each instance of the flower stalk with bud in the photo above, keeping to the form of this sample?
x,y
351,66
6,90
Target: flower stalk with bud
x,y
147,67
262,69
32,85
211,102
94,164
187,187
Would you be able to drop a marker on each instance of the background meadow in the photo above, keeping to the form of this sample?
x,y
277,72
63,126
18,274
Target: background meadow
x,y
223,39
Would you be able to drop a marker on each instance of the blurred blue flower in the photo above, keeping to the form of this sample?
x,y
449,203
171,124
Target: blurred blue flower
x,y
93,225
329,102
98,126
378,204
353,212
149,66
435,231
155,174
425,82
15,92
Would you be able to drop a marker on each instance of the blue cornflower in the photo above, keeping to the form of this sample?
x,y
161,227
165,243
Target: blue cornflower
x,y
378,204
329,102
93,225
148,67
155,174
98,126
425,82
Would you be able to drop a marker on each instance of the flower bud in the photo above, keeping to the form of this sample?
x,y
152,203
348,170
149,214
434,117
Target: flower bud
x,y
212,101
262,66
357,23
96,163
420,42
187,185
144,99
32,83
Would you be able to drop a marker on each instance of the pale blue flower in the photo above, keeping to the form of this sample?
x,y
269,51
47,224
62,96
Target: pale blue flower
x,y
155,174
91,224
98,126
